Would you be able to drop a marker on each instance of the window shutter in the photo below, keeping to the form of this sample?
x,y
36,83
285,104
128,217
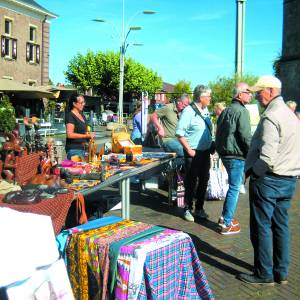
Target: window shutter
x,y
37,49
27,51
14,48
2,46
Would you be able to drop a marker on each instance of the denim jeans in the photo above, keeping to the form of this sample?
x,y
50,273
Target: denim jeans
x,y
235,171
269,229
196,167
73,152
173,145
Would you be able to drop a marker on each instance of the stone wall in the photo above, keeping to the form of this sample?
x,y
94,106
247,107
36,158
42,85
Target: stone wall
x,y
290,61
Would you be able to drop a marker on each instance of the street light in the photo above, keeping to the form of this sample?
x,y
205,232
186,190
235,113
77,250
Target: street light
x,y
123,48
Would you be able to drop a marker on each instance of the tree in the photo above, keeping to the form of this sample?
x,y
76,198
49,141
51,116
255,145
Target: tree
x,y
7,115
101,72
183,86
222,88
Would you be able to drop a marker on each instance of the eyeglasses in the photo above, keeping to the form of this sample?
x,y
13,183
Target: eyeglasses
x,y
246,92
81,103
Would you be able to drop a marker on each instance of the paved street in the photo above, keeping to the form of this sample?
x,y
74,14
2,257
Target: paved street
x,y
222,256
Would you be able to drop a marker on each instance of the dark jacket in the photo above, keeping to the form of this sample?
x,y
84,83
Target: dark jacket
x,y
233,134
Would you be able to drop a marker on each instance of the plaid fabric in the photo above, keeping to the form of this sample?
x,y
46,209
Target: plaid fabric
x,y
26,167
174,272
57,208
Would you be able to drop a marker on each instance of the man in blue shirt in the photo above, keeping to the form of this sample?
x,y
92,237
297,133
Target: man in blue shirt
x,y
194,132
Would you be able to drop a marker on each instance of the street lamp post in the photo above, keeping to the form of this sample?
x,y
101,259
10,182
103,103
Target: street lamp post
x,y
123,48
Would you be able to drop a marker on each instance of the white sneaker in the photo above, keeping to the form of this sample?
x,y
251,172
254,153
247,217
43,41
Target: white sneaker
x,y
201,214
188,216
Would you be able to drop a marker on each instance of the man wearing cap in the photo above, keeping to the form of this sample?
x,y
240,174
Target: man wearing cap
x,y
194,132
273,162
233,138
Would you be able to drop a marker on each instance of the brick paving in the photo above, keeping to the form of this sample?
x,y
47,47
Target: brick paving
x,y
223,257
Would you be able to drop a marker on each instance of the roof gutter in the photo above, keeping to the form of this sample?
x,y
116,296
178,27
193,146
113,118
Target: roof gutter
x,y
35,9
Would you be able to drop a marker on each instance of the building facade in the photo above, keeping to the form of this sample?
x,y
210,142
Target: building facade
x,y
24,32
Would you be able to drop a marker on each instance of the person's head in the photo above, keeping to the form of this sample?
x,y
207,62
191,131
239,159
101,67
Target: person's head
x,y
182,102
77,102
219,107
266,89
242,92
138,107
292,105
202,95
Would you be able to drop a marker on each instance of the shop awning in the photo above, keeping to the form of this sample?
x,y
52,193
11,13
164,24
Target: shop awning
x,y
23,90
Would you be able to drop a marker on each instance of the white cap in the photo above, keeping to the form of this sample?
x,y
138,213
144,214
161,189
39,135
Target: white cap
x,y
266,81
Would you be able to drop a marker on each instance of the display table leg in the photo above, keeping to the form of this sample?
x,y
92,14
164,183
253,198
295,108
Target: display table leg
x,y
125,196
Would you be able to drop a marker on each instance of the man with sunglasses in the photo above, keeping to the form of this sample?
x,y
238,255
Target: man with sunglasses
x,y
233,138
273,163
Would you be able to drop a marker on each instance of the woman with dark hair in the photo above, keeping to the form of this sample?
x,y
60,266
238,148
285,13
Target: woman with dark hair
x,y
76,127
136,135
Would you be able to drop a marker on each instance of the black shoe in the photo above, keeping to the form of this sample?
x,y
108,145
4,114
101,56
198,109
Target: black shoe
x,y
252,279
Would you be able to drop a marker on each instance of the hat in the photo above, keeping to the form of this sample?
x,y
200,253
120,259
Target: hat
x,y
266,81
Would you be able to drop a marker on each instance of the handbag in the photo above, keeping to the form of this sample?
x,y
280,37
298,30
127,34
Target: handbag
x,y
22,197
180,190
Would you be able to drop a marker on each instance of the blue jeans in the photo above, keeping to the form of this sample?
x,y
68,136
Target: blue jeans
x,y
269,229
173,145
235,171
73,152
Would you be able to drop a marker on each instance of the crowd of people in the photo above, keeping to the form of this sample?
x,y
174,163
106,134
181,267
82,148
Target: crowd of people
x,y
270,158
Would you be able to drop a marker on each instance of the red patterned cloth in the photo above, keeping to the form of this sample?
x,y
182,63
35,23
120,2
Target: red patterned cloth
x,y
26,167
57,208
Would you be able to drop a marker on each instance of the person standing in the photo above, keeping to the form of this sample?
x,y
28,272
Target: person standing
x,y
233,138
273,162
165,120
136,134
76,127
194,132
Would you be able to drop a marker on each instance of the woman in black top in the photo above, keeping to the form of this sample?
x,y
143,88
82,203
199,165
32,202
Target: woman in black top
x,y
76,126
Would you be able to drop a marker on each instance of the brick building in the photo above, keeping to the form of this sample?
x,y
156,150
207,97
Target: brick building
x,y
24,31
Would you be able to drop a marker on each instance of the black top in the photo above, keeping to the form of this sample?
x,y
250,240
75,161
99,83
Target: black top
x,y
79,127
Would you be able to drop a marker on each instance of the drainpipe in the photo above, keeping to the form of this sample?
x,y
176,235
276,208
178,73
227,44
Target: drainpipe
x,y
42,54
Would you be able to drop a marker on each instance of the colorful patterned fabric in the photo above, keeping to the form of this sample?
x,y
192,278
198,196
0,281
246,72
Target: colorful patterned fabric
x,y
62,238
114,250
89,250
131,261
174,272
57,208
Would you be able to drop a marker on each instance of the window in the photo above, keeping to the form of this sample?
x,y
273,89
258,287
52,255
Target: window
x,y
32,34
8,26
32,49
8,43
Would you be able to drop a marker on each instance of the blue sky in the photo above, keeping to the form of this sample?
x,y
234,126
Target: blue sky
x,y
192,40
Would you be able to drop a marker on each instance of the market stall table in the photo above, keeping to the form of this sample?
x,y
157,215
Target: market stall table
x,y
123,178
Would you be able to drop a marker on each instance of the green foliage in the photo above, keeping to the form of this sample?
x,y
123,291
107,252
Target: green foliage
x,y
277,65
183,86
7,115
50,106
101,71
222,88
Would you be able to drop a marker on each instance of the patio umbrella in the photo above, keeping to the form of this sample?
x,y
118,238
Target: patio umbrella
x,y
27,91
